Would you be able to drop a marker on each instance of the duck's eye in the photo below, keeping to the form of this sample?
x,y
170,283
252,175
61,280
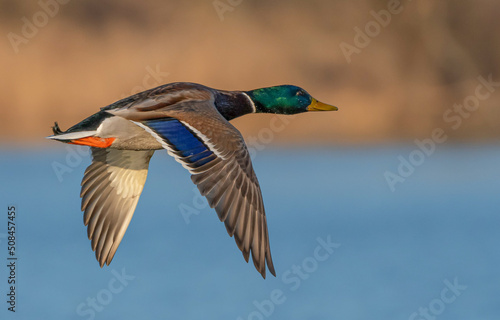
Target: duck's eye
x,y
300,93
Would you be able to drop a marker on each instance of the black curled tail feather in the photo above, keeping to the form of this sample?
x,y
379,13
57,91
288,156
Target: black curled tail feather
x,y
56,129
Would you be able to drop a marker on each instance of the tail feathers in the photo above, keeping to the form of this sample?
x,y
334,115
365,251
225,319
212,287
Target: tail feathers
x,y
56,129
60,135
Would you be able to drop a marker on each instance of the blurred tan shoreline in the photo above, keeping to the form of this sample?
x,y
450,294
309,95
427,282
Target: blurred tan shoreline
x,y
430,57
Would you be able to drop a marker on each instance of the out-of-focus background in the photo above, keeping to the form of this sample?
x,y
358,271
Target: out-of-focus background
x,y
404,179
396,84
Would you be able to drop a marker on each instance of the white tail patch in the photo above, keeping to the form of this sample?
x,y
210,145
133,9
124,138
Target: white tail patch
x,y
72,135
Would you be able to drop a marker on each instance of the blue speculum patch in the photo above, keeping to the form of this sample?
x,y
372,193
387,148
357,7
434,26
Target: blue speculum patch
x,y
182,139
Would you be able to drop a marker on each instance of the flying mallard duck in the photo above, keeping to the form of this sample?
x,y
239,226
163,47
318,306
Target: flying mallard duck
x,y
191,122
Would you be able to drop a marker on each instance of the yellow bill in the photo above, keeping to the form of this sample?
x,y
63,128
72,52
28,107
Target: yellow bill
x,y
320,106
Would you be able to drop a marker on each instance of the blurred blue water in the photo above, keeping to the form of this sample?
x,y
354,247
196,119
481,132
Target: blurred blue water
x,y
397,249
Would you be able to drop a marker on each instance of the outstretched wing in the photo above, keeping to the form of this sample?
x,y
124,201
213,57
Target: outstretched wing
x,y
111,188
214,152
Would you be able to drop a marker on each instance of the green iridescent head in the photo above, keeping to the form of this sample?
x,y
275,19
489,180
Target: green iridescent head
x,y
286,99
